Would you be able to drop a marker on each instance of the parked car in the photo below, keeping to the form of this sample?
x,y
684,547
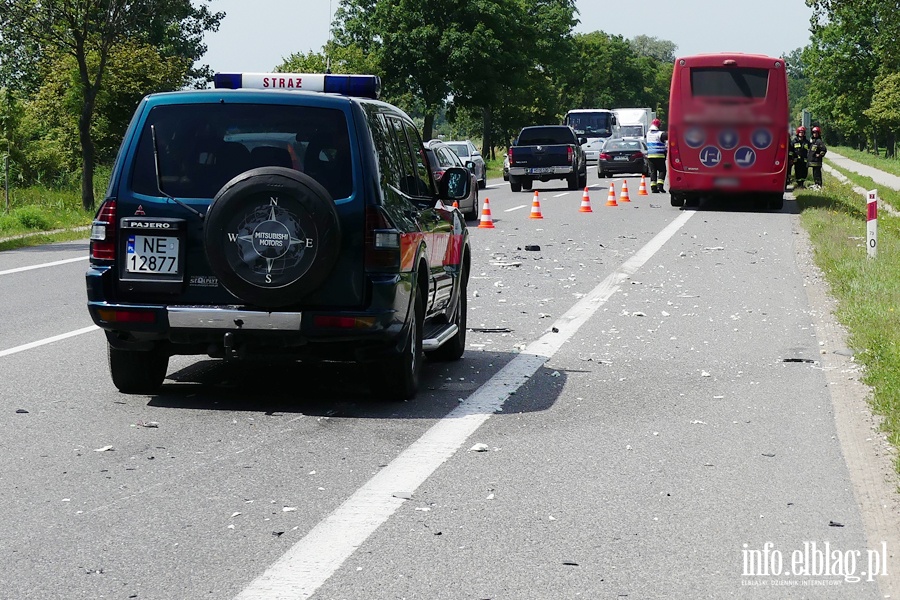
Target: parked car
x,y
466,151
620,156
506,167
441,158
243,223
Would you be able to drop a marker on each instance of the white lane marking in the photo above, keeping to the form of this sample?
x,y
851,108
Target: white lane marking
x,y
561,195
313,559
41,266
516,208
46,341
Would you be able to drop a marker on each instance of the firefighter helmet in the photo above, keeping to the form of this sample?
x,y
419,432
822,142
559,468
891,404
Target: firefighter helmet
x,y
816,131
801,130
655,122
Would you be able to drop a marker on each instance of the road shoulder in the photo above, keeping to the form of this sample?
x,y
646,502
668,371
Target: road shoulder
x,y
867,452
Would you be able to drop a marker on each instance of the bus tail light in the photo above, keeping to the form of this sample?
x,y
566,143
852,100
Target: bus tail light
x,y
674,154
103,232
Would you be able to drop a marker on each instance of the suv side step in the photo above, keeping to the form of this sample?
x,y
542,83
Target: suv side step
x,y
439,336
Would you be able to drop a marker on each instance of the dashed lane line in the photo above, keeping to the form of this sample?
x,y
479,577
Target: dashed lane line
x,y
43,265
45,341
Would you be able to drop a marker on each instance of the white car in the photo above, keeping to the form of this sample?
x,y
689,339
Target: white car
x,y
592,149
466,150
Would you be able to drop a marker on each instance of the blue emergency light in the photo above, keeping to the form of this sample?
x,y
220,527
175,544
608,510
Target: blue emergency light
x,y
366,86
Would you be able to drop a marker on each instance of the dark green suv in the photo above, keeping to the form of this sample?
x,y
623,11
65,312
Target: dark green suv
x,y
244,222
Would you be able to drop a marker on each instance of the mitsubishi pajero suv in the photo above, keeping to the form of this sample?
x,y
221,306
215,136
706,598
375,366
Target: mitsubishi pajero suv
x,y
288,215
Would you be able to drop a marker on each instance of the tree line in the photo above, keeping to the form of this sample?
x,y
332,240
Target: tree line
x,y
71,73
849,74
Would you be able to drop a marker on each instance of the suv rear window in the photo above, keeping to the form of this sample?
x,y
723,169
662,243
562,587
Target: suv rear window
x,y
201,147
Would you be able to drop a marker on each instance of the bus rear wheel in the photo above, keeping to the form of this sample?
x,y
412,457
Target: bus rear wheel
x,y
677,200
776,202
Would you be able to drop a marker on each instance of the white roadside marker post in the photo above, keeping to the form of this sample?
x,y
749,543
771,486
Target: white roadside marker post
x,y
872,223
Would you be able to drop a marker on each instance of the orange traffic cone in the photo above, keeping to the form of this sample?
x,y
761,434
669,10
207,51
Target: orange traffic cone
x,y
642,191
536,208
585,202
486,221
623,197
611,200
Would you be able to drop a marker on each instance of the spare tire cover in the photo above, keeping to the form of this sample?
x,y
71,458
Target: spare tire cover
x,y
271,236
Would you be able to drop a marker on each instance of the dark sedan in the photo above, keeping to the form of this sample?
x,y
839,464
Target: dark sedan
x,y
618,156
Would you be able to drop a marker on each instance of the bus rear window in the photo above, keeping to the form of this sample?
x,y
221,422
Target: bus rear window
x,y
729,83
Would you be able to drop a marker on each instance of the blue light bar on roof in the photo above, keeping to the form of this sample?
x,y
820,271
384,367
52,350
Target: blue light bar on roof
x,y
366,86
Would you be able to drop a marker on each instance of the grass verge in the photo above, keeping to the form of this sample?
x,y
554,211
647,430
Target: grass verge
x,y
867,290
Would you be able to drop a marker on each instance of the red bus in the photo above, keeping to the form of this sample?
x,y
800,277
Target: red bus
x,y
728,128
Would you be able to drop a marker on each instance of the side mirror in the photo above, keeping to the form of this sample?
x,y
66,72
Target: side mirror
x,y
455,184
470,165
582,140
476,153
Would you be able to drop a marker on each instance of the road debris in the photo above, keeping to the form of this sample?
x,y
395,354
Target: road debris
x,y
402,495
532,248
147,424
479,448
21,411
104,449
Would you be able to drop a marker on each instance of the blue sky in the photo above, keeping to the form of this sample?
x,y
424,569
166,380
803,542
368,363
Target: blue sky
x,y
256,35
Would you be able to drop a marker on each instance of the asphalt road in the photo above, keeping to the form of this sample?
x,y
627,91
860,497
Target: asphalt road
x,y
647,387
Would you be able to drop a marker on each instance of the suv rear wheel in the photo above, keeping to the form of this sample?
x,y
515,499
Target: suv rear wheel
x,y
396,377
137,371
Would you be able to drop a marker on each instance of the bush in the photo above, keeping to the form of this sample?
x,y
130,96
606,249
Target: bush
x,y
32,217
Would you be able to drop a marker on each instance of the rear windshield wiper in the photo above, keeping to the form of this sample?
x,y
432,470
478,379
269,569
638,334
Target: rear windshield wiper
x,y
159,177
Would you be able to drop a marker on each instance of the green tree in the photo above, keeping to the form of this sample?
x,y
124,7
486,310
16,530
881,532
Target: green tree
x,y
89,31
885,108
50,144
798,83
660,50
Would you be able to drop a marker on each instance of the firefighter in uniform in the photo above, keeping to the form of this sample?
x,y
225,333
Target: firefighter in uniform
x,y
800,150
656,152
817,151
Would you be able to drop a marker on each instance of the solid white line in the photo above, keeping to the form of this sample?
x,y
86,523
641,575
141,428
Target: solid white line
x,y
516,208
561,195
41,266
315,558
46,341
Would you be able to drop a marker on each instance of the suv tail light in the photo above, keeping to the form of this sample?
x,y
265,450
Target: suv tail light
x,y
382,242
570,154
103,232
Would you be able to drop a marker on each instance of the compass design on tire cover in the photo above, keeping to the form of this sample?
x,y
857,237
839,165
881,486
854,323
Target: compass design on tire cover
x,y
271,240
